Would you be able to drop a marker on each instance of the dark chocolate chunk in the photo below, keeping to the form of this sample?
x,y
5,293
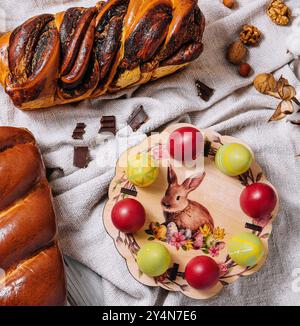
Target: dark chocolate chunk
x,y
108,124
172,273
108,129
130,192
108,118
81,156
137,118
79,131
204,91
253,227
77,135
81,125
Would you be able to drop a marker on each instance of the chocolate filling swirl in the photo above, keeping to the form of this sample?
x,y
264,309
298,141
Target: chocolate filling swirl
x,y
85,52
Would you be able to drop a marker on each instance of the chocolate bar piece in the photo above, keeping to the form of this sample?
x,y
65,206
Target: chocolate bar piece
x,y
108,118
204,91
130,192
79,131
81,156
253,227
81,125
108,124
137,118
77,135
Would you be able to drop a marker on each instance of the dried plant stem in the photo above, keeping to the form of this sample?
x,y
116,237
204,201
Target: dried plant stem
x,y
295,100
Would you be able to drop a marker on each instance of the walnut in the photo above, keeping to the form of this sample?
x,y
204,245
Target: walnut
x,y
265,83
279,12
236,52
250,35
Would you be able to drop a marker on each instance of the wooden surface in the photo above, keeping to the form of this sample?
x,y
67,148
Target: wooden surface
x,y
83,285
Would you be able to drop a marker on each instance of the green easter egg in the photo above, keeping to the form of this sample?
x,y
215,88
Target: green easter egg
x,y
233,159
246,249
218,159
142,170
153,259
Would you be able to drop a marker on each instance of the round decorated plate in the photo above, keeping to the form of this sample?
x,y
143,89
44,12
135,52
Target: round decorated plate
x,y
216,193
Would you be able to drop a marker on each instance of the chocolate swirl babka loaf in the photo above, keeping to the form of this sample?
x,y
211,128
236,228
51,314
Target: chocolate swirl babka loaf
x,y
84,53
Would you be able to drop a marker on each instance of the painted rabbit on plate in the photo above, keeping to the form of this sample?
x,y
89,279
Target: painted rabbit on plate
x,y
185,213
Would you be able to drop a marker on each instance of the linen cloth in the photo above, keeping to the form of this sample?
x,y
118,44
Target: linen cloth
x,y
235,109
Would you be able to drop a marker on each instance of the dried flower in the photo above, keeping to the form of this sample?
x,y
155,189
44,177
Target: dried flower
x,y
285,91
250,35
236,52
265,83
279,12
284,108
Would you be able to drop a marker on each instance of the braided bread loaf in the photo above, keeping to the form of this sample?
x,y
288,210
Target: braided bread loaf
x,y
30,260
84,53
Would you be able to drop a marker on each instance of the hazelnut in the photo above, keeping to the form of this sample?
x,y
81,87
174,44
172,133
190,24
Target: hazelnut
x,y
229,3
244,70
236,52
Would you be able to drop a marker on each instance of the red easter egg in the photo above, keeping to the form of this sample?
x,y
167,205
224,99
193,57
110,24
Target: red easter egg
x,y
128,215
202,272
258,200
186,144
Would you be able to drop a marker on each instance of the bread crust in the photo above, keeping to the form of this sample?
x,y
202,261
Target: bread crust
x,y
29,253
84,53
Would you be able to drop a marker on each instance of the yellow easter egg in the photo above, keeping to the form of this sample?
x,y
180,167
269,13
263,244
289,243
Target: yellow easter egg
x,y
246,249
142,169
233,159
